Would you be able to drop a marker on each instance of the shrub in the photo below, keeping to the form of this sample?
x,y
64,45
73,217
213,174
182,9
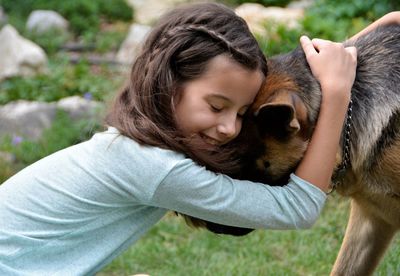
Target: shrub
x,y
64,80
83,15
336,19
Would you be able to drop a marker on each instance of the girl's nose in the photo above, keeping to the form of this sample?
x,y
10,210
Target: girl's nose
x,y
228,127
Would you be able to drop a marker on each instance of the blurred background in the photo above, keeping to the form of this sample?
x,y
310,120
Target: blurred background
x,y
62,62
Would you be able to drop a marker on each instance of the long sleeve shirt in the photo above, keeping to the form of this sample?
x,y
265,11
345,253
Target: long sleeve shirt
x,y
73,212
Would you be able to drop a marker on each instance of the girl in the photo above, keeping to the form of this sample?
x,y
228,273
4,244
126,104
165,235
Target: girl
x,y
74,211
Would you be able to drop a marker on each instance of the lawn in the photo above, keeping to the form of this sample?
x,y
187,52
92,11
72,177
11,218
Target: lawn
x,y
173,248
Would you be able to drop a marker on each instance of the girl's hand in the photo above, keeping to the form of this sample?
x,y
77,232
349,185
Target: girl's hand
x,y
333,65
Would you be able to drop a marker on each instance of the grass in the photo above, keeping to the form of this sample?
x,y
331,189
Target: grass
x,y
172,248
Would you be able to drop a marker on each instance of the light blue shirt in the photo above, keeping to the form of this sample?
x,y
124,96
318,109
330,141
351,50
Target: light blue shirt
x,y
74,211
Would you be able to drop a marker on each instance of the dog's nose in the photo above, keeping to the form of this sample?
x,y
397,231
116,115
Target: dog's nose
x,y
266,164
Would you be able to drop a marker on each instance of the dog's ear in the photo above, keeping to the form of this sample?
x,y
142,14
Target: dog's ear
x,y
279,116
277,119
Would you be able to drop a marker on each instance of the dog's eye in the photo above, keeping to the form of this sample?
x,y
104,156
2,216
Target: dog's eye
x,y
267,164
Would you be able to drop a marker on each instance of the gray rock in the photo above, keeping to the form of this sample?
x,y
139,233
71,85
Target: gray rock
x,y
42,21
28,119
257,17
19,56
132,43
3,16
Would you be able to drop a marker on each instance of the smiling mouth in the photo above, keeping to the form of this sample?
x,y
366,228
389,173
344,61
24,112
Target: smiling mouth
x,y
210,141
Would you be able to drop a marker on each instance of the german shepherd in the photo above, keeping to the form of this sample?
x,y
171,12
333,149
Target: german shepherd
x,y
285,113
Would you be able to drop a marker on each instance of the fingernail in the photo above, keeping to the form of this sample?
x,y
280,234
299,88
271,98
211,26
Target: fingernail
x,y
304,38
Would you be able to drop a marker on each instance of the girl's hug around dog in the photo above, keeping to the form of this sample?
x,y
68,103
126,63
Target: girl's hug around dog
x,y
170,145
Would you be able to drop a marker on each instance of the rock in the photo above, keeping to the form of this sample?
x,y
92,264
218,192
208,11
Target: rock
x,y
28,119
42,21
132,43
3,16
148,11
19,56
257,16
301,4
79,108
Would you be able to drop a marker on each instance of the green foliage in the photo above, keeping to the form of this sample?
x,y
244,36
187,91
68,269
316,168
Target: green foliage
x,y
337,19
328,19
83,15
50,41
282,39
63,80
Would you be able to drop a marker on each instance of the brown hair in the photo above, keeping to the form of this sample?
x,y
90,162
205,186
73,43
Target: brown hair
x,y
176,51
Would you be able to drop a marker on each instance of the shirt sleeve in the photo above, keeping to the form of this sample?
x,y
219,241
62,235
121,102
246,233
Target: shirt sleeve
x,y
192,190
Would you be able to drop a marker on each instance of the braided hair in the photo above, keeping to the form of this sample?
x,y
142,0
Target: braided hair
x,y
176,51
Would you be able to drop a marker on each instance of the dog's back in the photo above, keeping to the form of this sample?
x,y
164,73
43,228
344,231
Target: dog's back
x,y
376,95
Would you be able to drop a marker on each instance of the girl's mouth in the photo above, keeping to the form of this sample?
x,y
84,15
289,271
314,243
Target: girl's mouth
x,y
210,141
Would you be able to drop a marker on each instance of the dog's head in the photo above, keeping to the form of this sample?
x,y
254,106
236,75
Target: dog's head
x,y
285,112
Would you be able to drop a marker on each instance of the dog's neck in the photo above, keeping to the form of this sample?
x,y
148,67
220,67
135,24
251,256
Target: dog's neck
x,y
345,163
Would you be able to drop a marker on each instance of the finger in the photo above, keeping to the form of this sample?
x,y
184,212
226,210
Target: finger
x,y
352,51
319,43
307,46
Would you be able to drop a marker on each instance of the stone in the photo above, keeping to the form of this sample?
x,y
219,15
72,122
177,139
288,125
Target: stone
x,y
19,56
257,16
80,108
42,21
28,119
132,43
3,16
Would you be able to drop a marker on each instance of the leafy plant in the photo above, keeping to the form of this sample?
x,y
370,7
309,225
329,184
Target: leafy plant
x,y
83,15
63,80
337,19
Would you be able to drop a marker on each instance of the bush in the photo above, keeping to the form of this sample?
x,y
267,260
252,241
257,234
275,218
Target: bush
x,y
336,19
83,15
64,80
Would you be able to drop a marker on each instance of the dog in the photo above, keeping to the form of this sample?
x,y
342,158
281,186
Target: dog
x,y
285,113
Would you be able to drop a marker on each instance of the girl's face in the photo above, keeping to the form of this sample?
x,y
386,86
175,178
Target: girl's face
x,y
211,107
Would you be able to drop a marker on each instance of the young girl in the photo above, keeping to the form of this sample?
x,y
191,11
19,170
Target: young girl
x,y
74,211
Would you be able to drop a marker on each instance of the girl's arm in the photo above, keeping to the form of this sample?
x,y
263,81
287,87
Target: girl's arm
x,y
390,18
334,66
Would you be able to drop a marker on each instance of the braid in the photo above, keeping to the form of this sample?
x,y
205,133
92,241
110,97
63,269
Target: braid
x,y
173,33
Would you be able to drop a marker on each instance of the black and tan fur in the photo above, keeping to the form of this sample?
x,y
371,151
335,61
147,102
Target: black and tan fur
x,y
286,111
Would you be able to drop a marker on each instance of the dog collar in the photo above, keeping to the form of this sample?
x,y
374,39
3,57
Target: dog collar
x,y
338,176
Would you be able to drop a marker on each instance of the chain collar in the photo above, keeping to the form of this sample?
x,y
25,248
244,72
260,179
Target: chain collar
x,y
346,162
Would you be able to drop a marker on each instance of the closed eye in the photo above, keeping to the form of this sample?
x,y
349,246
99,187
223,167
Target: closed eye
x,y
215,109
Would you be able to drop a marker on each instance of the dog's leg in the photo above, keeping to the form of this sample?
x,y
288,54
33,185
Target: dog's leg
x,y
365,241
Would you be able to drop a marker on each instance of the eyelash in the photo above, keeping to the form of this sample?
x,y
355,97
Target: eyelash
x,y
218,109
215,109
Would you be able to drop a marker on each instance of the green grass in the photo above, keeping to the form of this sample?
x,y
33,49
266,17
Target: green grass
x,y
172,248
